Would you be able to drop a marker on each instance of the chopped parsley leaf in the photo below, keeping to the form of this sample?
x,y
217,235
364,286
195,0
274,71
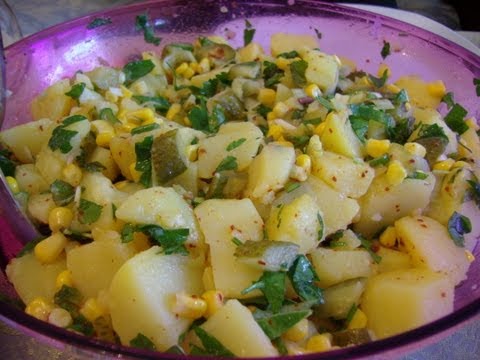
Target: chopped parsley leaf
x,y
289,55
448,99
385,49
210,344
6,164
76,91
62,192
273,285
292,185
61,137
97,22
107,114
298,68
379,161
142,342
302,275
248,33
142,23
88,211
160,104
458,225
144,162
228,163
235,144
455,119
379,82
144,128
136,69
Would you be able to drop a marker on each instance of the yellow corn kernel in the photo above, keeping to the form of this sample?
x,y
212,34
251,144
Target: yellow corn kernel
x,y
382,68
297,332
359,320
437,88
102,126
125,92
396,173
39,308
280,109
389,237
376,148
59,218
394,89
203,66
189,306
64,278
319,343
134,173
444,165
92,310
186,121
313,90
415,149
470,256
214,301
12,184
121,184
282,63
127,127
144,115
139,87
173,111
282,142
319,129
305,162
275,131
271,116
48,250
60,317
460,164
267,97
103,139
194,66
180,70
188,73
72,174
110,96
192,152
472,123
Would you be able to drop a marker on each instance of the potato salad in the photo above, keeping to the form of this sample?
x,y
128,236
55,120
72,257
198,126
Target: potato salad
x,y
239,202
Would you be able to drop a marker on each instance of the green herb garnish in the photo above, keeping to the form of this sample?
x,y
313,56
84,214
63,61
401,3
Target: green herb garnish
x,y
458,225
455,119
6,164
292,185
144,162
272,285
61,137
211,346
367,245
107,115
235,144
62,192
76,91
476,82
379,161
160,103
248,33
298,68
303,276
144,128
97,22
289,55
418,175
142,23
136,69
88,211
385,49
448,99
142,342
228,163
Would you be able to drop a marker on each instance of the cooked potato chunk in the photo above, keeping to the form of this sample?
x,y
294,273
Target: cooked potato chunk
x,y
401,300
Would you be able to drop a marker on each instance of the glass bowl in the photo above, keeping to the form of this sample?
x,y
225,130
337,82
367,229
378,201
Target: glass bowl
x,y
43,58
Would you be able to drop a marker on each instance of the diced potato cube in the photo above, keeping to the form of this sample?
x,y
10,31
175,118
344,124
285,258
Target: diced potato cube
x,y
220,221
384,203
297,222
161,206
104,157
322,70
282,42
269,171
122,148
335,266
340,298
26,140
213,150
401,300
53,103
29,179
241,325
429,245
392,260
32,279
349,177
142,293
339,137
93,265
